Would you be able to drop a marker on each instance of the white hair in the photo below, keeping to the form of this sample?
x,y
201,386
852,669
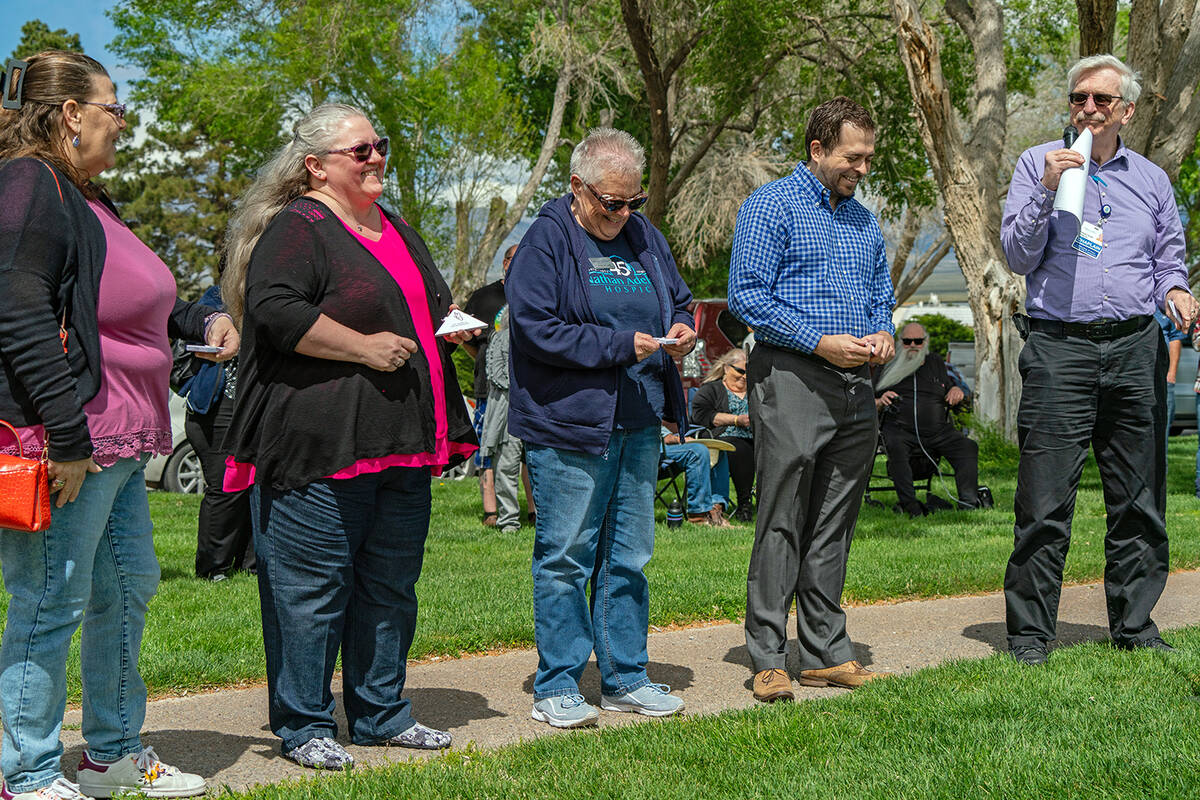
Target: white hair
x,y
1131,88
280,181
605,151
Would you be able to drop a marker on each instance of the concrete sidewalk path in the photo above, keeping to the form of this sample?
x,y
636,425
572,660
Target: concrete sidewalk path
x,y
487,699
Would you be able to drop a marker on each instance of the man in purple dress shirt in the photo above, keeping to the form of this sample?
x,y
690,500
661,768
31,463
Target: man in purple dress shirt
x,y
1094,364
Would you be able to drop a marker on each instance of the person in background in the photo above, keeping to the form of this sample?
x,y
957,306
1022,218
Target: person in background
x,y
485,304
224,536
720,406
597,311
86,310
1174,339
347,403
914,394
505,450
707,482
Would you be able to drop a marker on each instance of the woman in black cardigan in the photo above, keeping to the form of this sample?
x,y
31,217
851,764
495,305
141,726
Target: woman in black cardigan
x,y
346,402
720,405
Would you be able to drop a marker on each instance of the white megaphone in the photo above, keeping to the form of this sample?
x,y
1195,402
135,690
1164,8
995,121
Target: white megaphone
x,y
1073,183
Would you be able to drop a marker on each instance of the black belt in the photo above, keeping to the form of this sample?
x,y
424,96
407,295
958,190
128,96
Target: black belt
x,y
1101,331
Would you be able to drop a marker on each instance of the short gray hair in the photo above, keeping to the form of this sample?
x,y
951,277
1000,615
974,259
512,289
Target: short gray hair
x,y
607,150
1131,87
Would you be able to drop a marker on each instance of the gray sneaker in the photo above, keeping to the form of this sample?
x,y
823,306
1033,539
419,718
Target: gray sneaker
x,y
566,711
652,700
321,753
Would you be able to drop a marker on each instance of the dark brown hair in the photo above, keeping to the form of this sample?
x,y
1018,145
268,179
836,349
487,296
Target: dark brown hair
x,y
34,130
825,122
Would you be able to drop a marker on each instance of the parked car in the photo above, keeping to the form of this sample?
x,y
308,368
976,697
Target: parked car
x,y
180,471
717,331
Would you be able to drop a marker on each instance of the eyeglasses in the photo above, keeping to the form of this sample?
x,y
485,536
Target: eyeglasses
x,y
738,370
116,109
1101,99
362,152
612,204
914,340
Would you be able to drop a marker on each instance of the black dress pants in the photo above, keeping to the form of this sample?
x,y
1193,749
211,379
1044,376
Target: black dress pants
x,y
943,441
1111,395
224,539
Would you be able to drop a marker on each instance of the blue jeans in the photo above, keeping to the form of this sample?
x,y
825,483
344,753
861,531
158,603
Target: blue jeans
x,y
595,524
706,486
338,562
95,565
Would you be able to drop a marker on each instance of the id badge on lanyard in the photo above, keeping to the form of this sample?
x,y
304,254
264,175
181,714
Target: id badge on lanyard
x,y
1090,240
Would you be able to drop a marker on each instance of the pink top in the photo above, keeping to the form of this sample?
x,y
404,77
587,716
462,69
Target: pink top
x,y
391,252
129,415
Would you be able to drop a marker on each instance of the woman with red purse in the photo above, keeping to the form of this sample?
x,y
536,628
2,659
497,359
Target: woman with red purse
x,y
85,312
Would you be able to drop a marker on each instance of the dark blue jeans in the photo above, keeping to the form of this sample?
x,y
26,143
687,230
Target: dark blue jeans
x,y
338,562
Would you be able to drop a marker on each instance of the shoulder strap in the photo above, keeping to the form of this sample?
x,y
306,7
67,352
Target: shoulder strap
x,y
62,323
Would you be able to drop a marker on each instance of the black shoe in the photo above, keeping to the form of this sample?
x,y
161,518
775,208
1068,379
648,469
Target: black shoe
x,y
914,510
1153,643
1033,655
744,513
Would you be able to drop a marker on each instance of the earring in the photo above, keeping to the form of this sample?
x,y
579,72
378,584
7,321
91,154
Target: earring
x,y
321,175
75,141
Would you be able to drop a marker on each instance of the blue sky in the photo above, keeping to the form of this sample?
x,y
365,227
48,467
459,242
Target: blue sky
x,y
85,17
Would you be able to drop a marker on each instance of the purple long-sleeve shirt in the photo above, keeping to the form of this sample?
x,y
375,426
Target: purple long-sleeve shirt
x,y
1143,252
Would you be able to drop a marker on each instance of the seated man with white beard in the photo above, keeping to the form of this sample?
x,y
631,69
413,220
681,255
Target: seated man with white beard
x,y
914,394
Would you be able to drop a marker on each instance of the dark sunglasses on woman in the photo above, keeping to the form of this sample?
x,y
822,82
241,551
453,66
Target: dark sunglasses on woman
x,y
612,204
362,152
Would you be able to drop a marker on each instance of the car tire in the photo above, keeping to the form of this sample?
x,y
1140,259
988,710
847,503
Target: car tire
x,y
183,473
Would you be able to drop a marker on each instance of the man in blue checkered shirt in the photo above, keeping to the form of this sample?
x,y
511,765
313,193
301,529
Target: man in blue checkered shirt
x,y
809,274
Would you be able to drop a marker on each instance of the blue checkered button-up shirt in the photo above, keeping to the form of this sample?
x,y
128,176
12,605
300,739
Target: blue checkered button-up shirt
x,y
801,269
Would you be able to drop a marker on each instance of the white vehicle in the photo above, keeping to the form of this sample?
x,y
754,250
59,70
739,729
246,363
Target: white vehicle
x,y
180,471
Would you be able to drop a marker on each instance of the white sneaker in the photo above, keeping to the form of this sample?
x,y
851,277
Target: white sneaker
x,y
61,789
137,772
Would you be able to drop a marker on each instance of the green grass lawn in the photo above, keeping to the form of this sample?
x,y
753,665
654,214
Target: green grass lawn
x,y
1095,722
476,589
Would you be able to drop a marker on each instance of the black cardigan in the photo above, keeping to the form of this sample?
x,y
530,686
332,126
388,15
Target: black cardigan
x,y
708,401
52,251
300,418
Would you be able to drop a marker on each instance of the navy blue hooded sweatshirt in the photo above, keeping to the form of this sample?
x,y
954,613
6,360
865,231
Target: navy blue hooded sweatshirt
x,y
565,366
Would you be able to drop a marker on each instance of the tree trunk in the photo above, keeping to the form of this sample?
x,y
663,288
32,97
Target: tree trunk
x,y
966,172
1164,46
1097,22
642,39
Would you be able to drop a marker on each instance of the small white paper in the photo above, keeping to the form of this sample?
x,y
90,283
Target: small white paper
x,y
666,340
457,321
1073,183
204,348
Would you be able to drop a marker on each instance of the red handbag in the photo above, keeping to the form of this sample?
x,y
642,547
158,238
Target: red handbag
x,y
24,489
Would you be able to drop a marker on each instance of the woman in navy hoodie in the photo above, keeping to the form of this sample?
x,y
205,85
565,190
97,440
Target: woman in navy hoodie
x,y
597,309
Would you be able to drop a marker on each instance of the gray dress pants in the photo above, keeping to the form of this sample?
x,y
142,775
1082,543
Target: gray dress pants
x,y
816,429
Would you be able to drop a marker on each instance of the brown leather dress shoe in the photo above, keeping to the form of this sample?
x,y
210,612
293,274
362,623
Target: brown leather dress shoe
x,y
850,675
771,685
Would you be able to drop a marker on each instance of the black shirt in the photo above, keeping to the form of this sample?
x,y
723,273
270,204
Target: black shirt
x,y
930,383
484,304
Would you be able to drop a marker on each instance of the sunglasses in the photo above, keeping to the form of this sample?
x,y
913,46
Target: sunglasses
x,y
116,109
914,340
362,152
1100,99
738,370
612,204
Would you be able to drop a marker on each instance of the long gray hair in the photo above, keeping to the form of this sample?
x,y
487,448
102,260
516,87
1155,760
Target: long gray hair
x,y
717,371
280,181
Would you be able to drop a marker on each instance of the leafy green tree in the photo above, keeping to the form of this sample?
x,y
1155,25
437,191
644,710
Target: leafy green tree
x,y
36,36
176,190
